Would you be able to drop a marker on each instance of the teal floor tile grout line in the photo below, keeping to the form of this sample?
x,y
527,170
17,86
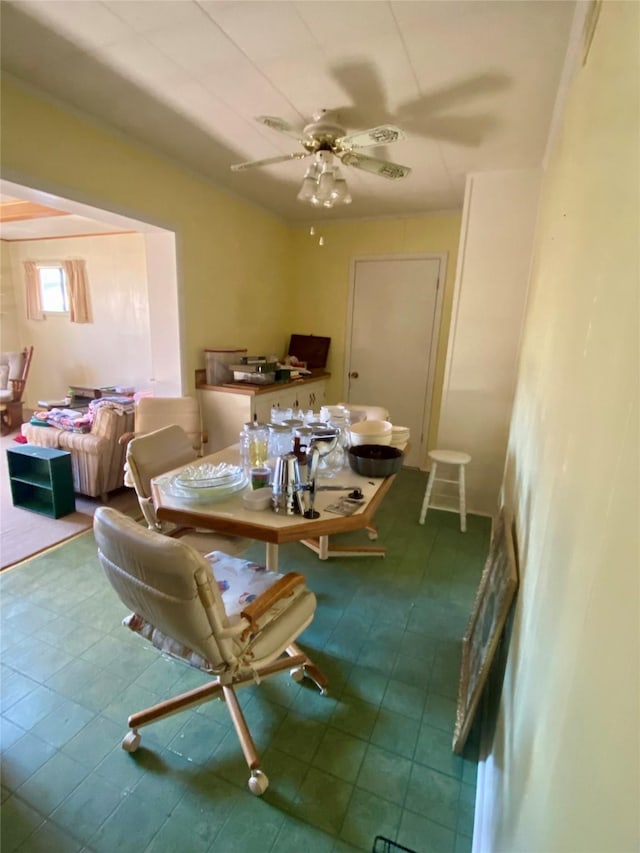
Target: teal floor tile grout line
x,y
373,758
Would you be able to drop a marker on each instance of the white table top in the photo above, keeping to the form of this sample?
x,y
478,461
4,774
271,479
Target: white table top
x,y
231,516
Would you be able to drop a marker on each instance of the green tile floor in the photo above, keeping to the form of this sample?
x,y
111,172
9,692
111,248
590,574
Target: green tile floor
x,y
371,758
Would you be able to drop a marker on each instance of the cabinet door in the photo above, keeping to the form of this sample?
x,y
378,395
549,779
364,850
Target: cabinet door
x,y
313,396
224,413
262,403
310,396
285,398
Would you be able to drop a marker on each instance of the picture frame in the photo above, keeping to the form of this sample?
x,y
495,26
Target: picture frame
x,y
494,598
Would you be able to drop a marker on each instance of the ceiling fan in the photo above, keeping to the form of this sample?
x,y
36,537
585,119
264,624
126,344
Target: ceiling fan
x,y
323,139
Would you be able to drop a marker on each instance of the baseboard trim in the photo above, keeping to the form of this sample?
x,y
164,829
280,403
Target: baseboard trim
x,y
480,814
483,812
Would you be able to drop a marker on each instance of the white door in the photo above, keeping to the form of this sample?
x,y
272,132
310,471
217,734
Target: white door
x,y
395,311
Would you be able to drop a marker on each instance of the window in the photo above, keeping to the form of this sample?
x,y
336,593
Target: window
x,y
53,290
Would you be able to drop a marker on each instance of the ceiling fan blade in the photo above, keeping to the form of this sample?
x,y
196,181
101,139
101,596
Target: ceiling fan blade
x,y
281,126
382,135
240,167
384,168
461,91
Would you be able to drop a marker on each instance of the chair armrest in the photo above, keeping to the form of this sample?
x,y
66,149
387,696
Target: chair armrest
x,y
17,388
126,437
282,588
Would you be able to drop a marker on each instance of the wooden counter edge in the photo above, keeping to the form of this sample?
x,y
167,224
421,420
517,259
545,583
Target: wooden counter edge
x,y
201,384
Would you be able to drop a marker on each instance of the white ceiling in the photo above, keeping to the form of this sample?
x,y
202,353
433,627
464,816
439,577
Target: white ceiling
x,y
473,84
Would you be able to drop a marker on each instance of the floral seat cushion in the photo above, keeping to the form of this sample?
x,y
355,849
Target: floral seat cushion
x,y
239,581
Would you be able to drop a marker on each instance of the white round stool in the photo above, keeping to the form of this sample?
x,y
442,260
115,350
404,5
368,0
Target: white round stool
x,y
447,457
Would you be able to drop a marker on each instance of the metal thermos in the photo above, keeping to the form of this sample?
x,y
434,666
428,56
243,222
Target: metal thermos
x,y
287,485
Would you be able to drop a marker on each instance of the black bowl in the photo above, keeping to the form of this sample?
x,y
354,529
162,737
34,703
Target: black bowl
x,y
375,460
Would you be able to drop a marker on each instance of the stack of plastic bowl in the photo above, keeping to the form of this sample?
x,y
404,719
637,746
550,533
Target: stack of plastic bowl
x,y
400,437
371,432
205,482
257,500
366,413
355,414
334,414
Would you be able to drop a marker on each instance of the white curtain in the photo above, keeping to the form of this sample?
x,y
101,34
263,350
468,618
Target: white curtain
x,y
32,291
78,290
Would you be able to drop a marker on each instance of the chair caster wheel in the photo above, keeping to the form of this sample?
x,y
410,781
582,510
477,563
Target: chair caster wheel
x,y
131,741
297,673
258,783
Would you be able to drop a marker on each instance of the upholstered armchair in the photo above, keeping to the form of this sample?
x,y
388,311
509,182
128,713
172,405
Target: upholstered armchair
x,y
97,457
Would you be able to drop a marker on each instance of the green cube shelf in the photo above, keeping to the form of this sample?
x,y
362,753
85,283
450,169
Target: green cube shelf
x,y
41,480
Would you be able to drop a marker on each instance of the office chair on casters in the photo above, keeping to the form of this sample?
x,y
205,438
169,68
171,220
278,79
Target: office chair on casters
x,y
225,616
153,454
153,413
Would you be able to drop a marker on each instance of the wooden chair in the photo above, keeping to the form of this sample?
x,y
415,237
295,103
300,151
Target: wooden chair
x,y
14,369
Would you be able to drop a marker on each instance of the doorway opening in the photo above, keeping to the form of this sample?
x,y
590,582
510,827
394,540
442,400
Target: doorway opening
x,y
167,373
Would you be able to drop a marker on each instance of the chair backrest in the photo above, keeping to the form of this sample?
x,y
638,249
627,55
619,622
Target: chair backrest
x,y
152,413
14,369
157,578
153,454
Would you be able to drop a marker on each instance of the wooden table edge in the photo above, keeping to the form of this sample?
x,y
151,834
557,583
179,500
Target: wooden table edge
x,y
304,529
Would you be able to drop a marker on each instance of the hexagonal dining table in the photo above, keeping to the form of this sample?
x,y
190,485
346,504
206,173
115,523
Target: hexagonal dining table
x,y
229,515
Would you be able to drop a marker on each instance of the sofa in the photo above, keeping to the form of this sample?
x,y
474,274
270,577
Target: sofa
x,y
97,456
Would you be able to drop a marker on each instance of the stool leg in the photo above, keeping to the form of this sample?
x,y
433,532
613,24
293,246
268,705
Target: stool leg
x,y
427,494
463,501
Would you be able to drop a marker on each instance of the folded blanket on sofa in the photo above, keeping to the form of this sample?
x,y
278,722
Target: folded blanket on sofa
x,y
68,419
118,403
39,419
72,420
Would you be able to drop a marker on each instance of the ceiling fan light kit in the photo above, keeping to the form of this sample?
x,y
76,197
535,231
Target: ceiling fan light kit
x,y
324,139
323,184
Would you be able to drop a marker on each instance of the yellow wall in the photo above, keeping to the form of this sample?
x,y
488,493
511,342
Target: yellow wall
x,y
9,326
245,277
113,349
321,281
233,258
564,771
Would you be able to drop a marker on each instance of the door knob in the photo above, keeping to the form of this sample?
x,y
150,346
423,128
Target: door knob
x,y
354,374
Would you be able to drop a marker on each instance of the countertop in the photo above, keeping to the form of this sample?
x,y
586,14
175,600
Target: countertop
x,y
252,390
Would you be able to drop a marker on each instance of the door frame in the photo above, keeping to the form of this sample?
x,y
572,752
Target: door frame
x,y
442,258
